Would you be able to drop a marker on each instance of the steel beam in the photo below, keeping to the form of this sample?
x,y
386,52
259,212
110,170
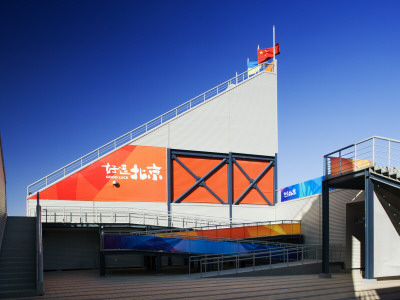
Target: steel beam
x,y
275,179
369,226
169,185
253,183
230,185
200,181
325,228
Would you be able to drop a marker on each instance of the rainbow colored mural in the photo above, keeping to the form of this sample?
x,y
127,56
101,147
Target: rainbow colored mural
x,y
244,231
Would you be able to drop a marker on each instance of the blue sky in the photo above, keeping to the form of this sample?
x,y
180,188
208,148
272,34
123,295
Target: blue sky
x,y
77,74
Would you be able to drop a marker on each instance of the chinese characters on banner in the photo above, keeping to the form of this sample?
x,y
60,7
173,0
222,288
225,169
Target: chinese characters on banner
x,y
123,172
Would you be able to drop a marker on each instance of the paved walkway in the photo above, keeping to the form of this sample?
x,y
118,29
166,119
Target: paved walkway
x,y
128,284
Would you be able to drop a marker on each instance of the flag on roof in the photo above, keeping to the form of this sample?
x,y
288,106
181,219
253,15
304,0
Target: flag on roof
x,y
252,67
265,54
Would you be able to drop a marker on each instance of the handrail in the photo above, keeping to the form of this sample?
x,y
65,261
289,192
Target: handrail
x,y
72,214
139,131
286,254
374,151
217,226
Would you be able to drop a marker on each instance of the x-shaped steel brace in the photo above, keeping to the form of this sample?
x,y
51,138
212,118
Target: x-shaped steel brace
x,y
200,181
253,182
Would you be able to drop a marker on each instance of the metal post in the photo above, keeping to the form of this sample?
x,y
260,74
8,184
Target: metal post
x,y
273,39
355,157
369,226
39,249
230,186
275,175
169,184
373,151
325,230
102,268
270,259
389,155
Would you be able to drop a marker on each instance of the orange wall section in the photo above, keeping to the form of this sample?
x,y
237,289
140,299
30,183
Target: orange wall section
x,y
139,170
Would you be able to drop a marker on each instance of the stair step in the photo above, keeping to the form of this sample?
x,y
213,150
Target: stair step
x,y
17,263
7,281
18,275
17,253
19,293
24,268
18,286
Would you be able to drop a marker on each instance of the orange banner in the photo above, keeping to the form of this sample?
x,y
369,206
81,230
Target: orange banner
x,y
139,173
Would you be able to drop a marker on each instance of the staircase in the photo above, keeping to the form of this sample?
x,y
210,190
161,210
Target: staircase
x,y
390,172
18,258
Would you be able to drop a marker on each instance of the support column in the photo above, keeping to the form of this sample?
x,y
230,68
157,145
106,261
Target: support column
x,y
369,227
158,265
169,185
275,184
325,230
230,185
102,264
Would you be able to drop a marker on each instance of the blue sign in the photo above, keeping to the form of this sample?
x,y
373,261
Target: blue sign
x,y
300,190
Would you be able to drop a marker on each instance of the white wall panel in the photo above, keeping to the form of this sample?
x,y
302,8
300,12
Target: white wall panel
x,y
242,119
386,243
156,138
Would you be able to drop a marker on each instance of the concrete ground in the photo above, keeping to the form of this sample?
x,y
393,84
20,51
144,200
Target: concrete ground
x,y
136,284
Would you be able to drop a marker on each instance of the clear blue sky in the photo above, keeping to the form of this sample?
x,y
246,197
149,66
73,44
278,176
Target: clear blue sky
x,y
77,74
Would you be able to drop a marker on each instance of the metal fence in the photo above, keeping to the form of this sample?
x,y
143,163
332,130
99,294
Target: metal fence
x,y
253,226
65,214
259,259
149,126
374,151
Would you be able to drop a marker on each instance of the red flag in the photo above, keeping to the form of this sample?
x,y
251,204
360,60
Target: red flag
x,y
265,54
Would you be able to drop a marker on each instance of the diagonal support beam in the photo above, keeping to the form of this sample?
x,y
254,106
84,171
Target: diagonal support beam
x,y
212,192
184,166
200,182
253,184
241,169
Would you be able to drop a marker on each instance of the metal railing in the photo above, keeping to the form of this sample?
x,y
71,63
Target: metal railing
x,y
260,258
68,214
374,151
139,131
231,226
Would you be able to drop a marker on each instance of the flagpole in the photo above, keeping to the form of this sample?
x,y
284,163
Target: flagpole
x,y
273,37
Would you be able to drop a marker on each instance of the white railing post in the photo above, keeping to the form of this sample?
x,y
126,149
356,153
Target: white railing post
x,y
389,154
355,157
373,151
